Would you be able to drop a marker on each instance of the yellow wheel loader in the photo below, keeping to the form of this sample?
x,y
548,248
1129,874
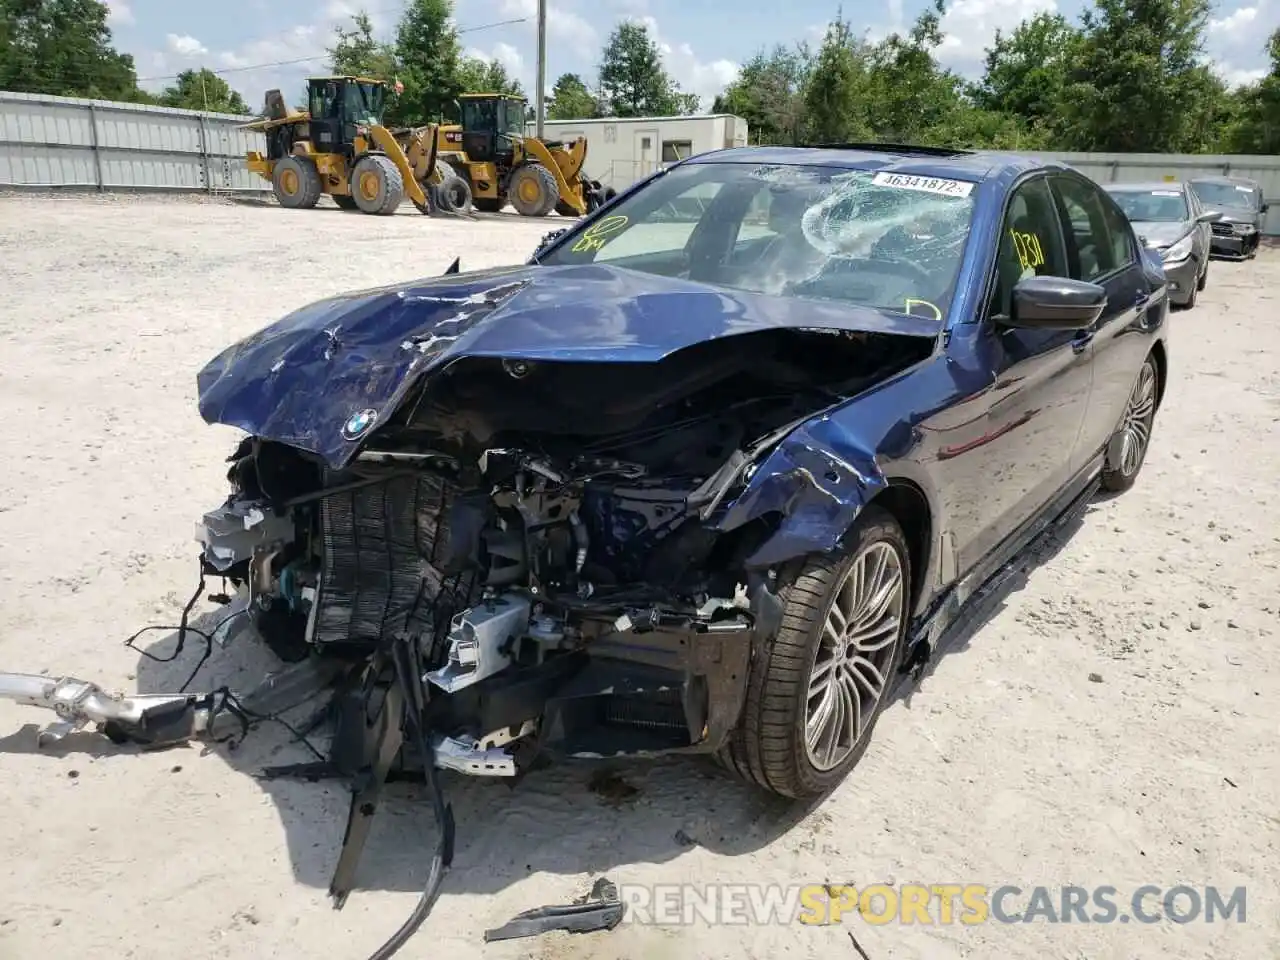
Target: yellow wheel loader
x,y
339,147
490,150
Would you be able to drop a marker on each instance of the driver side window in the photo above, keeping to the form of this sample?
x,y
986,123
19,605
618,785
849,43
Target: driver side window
x,y
1030,243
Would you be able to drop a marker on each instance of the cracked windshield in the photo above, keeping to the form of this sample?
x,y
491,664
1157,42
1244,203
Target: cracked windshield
x,y
884,240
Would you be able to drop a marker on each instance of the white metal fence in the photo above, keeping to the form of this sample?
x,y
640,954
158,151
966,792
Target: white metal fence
x,y
59,142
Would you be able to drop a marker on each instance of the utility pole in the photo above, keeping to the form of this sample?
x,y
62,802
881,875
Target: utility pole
x,y
540,107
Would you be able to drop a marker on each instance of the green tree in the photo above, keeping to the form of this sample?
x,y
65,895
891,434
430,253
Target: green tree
x,y
486,76
203,90
633,82
63,48
769,94
571,100
1027,69
1257,124
835,94
427,50
358,53
1137,81
909,97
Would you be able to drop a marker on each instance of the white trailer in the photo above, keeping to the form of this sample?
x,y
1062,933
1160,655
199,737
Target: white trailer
x,y
622,151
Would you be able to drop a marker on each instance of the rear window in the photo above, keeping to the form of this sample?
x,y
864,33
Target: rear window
x,y
876,239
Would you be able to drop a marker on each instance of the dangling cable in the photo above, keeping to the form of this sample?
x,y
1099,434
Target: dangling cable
x,y
411,686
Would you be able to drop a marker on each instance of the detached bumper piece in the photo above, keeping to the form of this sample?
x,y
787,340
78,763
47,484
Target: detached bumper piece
x,y
599,910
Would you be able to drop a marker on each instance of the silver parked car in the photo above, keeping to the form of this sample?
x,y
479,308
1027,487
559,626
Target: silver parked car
x,y
1243,209
1170,218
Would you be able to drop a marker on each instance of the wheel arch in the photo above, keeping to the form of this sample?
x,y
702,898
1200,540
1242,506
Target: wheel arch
x,y
909,506
1161,357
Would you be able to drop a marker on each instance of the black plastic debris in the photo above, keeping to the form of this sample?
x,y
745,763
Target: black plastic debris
x,y
599,910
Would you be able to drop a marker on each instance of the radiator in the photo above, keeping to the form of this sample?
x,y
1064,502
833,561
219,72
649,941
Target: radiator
x,y
379,574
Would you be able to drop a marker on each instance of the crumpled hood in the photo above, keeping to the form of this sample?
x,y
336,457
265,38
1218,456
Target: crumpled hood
x,y
1161,233
319,378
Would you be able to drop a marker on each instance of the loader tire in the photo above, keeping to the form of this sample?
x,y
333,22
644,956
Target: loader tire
x,y
532,190
454,195
296,183
377,186
345,201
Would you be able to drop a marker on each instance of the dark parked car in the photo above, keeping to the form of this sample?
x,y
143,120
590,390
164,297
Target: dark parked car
x,y
1243,210
1168,217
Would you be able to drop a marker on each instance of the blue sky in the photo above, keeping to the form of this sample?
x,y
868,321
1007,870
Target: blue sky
x,y
703,41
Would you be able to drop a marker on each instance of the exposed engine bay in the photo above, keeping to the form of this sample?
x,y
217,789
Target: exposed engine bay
x,y
519,559
538,534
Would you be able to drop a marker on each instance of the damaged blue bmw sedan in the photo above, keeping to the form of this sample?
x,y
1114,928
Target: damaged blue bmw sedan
x,y
717,469
708,473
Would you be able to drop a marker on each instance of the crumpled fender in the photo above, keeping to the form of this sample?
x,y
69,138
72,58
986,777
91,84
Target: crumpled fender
x,y
818,478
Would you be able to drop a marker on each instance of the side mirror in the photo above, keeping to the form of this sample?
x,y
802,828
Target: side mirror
x,y
1056,303
1209,216
1264,208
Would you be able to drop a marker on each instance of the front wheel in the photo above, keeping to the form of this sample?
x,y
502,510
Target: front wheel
x,y
817,689
1127,450
1204,277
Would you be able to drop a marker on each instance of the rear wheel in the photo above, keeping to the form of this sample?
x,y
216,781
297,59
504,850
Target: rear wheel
x,y
1128,448
377,186
532,190
296,183
818,687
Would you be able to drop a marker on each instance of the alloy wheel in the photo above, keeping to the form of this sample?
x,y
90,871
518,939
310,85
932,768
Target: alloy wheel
x,y
854,655
1136,427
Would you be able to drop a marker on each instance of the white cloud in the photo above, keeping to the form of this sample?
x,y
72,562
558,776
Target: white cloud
x,y
970,26
118,13
1237,24
1234,77
705,78
185,45
563,25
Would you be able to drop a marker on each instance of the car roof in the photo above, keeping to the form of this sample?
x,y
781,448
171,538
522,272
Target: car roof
x,y
1145,187
894,158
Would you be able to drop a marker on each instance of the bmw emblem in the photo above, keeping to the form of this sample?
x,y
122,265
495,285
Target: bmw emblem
x,y
358,424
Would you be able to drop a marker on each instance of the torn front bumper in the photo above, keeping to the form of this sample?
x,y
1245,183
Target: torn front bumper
x,y
673,684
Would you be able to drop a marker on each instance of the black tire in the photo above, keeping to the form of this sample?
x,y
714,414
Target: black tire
x,y
532,190
454,195
345,202
1192,297
1120,472
768,747
377,186
488,204
296,183
1204,277
565,210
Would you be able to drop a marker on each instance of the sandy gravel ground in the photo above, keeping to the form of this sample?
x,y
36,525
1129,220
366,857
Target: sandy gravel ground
x,y
1009,765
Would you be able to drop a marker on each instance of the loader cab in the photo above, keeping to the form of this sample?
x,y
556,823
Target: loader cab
x,y
489,122
339,107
